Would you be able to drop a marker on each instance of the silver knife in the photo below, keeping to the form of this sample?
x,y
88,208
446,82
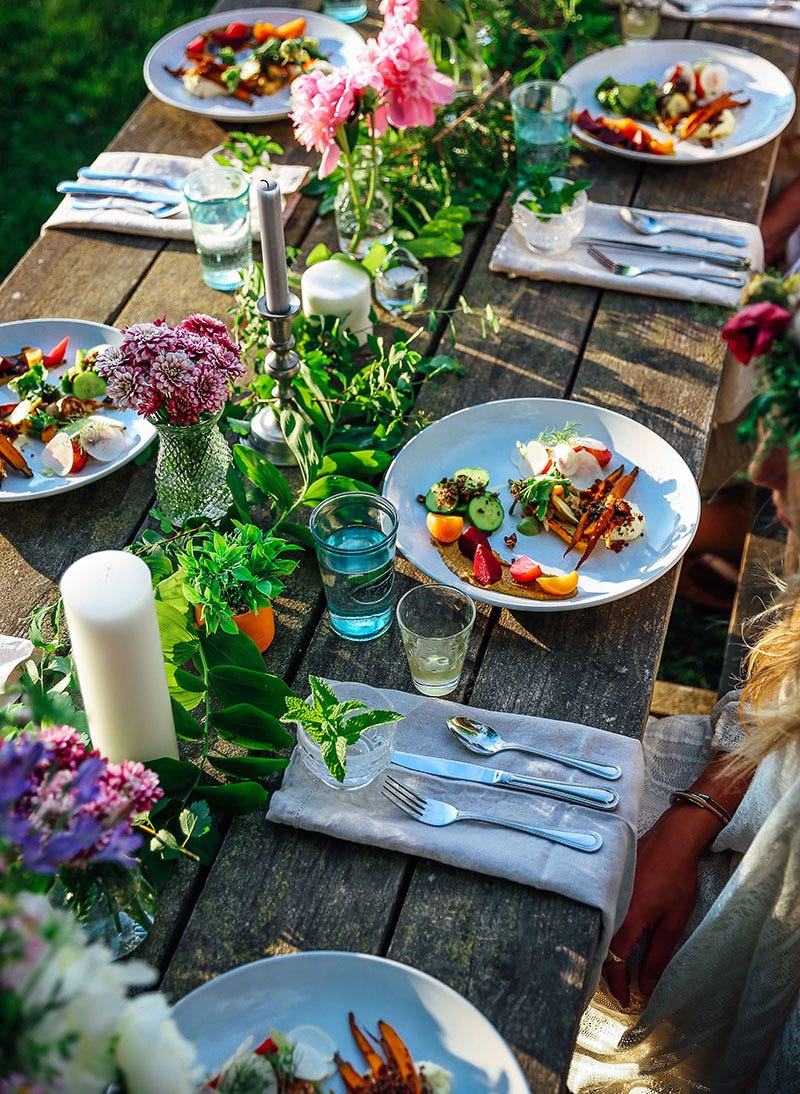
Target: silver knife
x,y
160,197
164,180
731,261
594,797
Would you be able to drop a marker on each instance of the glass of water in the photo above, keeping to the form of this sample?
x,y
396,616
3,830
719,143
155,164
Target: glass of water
x,y
346,11
542,113
354,539
435,622
219,207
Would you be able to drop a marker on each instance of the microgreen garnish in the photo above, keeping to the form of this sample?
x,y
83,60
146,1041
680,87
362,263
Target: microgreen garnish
x,y
551,437
535,493
549,196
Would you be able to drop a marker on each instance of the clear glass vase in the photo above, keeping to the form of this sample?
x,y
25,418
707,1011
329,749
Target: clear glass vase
x,y
191,471
114,905
363,205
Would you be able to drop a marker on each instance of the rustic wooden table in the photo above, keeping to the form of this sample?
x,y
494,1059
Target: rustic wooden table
x,y
519,954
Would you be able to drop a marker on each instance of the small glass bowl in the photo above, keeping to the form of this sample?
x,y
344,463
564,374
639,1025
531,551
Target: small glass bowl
x,y
366,759
550,233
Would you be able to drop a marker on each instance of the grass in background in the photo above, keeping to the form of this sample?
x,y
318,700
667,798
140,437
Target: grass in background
x,y
73,76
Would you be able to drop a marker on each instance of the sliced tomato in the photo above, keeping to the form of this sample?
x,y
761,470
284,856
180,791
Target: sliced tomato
x,y
232,34
524,570
56,355
602,455
79,457
266,1048
197,45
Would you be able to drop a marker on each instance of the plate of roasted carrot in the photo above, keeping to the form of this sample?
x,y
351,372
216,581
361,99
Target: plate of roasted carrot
x,y
361,1024
58,429
678,102
239,65
542,504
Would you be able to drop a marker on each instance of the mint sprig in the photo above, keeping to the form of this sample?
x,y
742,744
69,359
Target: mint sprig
x,y
334,725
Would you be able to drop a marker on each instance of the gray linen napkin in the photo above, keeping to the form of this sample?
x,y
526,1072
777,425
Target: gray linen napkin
x,y
512,256
745,12
118,217
603,880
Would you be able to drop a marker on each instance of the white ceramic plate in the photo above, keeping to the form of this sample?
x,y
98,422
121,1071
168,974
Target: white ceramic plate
x,y
320,989
484,436
47,333
337,41
771,95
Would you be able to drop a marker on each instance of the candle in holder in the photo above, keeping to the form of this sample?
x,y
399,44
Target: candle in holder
x,y
110,609
342,289
273,247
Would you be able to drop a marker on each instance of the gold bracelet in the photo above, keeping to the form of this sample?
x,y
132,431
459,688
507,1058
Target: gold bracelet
x,y
702,801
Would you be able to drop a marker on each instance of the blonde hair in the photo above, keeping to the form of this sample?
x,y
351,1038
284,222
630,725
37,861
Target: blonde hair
x,y
772,688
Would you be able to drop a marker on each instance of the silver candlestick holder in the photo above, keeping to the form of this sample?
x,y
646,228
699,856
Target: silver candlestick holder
x,y
282,364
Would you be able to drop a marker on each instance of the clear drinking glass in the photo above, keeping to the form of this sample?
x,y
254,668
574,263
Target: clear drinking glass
x,y
435,622
401,282
639,19
219,208
542,112
354,538
346,11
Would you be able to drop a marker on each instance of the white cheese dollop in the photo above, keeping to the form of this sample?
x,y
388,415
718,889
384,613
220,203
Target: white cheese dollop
x,y
202,88
632,529
436,1077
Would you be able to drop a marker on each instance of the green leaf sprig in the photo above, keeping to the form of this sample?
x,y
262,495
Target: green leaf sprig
x,y
247,151
334,725
534,493
548,199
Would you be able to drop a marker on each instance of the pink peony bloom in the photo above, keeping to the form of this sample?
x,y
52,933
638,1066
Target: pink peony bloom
x,y
411,83
321,103
751,332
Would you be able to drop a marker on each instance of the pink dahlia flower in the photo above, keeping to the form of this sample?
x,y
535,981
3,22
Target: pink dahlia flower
x,y
399,11
751,332
321,103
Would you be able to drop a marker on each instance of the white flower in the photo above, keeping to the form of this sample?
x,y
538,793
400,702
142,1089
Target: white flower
x,y
152,1054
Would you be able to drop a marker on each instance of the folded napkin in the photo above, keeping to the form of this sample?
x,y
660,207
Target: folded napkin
x,y
602,879
13,651
737,13
114,216
513,257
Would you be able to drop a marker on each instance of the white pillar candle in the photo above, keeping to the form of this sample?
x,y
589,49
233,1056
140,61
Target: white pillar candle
x,y
339,288
110,608
273,247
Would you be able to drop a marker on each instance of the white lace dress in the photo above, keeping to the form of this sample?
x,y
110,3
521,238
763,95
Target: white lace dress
x,y
725,1017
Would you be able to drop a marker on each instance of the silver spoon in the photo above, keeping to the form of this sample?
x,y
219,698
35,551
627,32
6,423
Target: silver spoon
x,y
480,738
649,225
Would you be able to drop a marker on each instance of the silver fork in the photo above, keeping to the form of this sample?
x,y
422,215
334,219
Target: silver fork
x,y
634,271
160,212
438,814
165,180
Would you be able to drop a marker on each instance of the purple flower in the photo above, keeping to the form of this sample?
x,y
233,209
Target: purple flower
x,y
18,761
172,370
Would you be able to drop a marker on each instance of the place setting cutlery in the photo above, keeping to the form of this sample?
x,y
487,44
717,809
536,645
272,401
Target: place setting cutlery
x,y
622,270
437,813
122,176
159,203
703,7
593,797
160,212
716,258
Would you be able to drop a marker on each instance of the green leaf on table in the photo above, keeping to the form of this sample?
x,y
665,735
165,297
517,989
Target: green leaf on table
x,y
255,767
238,492
299,439
232,684
433,247
328,485
247,725
165,844
221,648
369,462
186,727
196,820
188,681
174,776
299,533
320,253
234,799
263,474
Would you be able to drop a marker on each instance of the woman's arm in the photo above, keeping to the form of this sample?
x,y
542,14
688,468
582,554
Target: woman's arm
x,y
665,882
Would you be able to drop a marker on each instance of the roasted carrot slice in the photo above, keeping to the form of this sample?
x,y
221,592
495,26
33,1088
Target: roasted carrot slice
x,y
13,457
295,28
374,1062
398,1056
354,1084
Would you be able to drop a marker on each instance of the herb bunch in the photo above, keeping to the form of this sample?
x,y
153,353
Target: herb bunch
x,y
548,199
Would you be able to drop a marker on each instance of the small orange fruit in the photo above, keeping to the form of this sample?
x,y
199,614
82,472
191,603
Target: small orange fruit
x,y
557,585
444,526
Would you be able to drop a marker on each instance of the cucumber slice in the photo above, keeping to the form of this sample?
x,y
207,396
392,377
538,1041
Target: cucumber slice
x,y
486,512
476,477
88,385
628,96
441,500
